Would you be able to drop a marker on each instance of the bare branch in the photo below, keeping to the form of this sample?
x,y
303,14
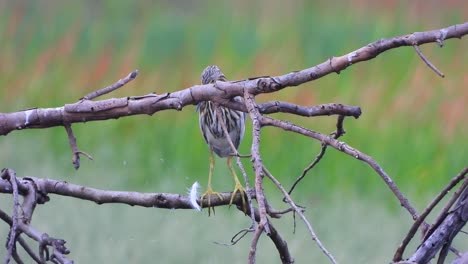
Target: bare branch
x,y
7,219
280,244
86,110
417,223
58,245
445,232
35,190
428,63
74,147
301,215
257,164
158,200
253,244
112,87
16,257
341,146
338,133
318,110
10,175
256,158
445,210
239,163
28,249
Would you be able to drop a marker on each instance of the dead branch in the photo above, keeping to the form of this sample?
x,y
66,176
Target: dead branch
x,y
301,215
417,223
86,110
36,190
46,186
428,63
338,133
445,232
74,147
343,147
10,176
280,244
112,87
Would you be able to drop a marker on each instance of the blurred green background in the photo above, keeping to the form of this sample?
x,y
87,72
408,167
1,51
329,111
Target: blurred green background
x,y
413,123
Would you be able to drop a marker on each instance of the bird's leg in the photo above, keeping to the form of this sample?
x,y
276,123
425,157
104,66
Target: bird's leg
x,y
238,188
209,190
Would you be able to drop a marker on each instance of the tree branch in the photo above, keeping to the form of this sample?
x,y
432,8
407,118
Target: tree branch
x,y
417,223
158,200
444,233
36,190
338,133
301,215
10,176
341,146
112,87
86,110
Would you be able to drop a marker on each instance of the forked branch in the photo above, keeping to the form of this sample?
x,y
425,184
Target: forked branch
x,y
35,190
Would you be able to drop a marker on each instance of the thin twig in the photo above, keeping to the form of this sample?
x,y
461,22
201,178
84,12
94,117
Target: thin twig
x,y
28,249
280,243
75,152
237,237
428,63
445,232
10,175
112,87
449,205
309,111
301,215
399,252
338,133
238,162
17,258
253,245
279,213
343,147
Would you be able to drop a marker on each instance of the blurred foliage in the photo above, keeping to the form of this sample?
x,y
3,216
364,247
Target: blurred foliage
x,y
413,122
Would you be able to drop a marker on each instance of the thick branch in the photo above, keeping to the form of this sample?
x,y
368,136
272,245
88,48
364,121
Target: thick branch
x,y
158,200
445,232
86,110
258,169
417,223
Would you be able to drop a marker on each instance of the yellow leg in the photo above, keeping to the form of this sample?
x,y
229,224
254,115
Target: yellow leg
x,y
209,190
238,188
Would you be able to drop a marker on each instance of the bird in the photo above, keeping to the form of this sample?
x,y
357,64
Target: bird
x,y
211,119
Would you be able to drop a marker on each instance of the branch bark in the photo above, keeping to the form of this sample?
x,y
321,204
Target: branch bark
x,y
86,110
445,233
36,190
155,200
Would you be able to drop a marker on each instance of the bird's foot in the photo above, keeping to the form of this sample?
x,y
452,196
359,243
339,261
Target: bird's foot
x,y
241,190
209,192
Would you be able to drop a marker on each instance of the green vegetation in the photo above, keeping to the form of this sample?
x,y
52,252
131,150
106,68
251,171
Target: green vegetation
x,y
54,52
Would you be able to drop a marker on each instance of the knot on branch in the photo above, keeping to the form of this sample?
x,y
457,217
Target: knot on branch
x,y
268,85
41,196
58,246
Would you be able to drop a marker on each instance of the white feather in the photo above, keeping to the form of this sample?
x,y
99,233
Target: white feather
x,y
193,195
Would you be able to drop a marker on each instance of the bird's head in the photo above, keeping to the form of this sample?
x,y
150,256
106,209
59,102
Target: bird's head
x,y
211,74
